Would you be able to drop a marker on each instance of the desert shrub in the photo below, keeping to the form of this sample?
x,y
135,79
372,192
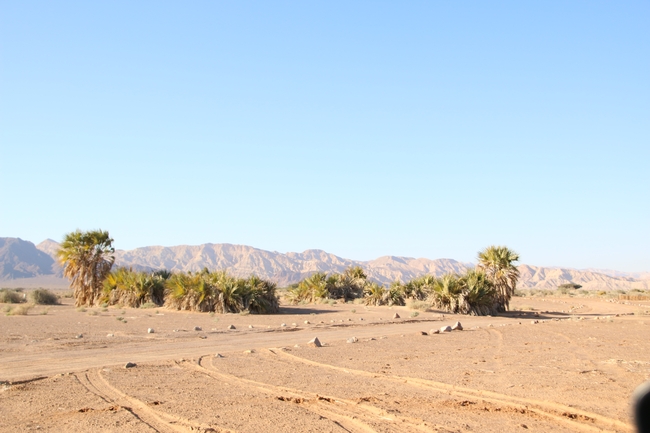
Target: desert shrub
x,y
376,294
9,296
43,297
414,314
20,310
149,305
348,286
418,305
569,286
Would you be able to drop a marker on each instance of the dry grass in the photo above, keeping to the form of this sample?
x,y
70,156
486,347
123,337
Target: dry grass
x,y
20,310
43,297
419,305
9,296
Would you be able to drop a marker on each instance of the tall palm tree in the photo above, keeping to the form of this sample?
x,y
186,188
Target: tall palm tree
x,y
498,264
86,257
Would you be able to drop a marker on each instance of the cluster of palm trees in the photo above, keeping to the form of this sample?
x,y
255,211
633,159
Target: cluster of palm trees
x,y
203,291
87,258
487,289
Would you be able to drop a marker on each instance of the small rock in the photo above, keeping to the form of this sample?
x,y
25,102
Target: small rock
x,y
150,331
457,327
231,327
306,322
79,336
396,316
372,339
352,340
203,337
249,351
534,322
434,331
110,335
130,365
283,325
198,328
445,329
296,346
218,355
315,342
490,326
294,324
424,333
250,326
349,320
360,319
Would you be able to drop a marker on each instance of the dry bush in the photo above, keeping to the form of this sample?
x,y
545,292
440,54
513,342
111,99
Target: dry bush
x,y
8,296
43,297
20,310
419,305
634,297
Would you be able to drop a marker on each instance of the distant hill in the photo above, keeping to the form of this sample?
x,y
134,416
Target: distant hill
x,y
24,263
21,259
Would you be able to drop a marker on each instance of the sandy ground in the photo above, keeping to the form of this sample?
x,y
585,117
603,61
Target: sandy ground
x,y
574,370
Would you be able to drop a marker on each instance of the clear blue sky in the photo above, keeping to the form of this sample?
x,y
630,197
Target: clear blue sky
x,y
365,128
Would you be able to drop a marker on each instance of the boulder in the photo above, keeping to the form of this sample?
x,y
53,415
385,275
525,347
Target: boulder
x,y
457,327
315,342
445,329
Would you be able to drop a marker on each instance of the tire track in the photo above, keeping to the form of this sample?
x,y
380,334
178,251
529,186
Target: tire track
x,y
348,414
570,416
159,421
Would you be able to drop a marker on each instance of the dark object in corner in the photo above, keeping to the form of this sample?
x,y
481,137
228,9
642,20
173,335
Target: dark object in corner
x,y
641,398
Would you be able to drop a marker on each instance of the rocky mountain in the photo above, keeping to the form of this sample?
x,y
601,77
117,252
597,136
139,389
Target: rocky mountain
x,y
20,260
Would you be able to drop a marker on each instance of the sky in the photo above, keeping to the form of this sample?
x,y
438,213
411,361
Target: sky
x,y
367,128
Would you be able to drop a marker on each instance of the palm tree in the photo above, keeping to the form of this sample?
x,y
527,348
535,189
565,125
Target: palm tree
x,y
86,257
497,263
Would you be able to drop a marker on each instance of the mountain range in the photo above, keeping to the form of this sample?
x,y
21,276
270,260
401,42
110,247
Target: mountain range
x,y
24,264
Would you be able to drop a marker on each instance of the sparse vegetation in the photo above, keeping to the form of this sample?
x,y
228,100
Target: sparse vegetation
x,y
43,297
19,310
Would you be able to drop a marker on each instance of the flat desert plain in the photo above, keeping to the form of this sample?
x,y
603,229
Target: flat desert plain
x,y
562,365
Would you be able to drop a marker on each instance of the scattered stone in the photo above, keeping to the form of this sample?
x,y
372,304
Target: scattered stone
x,y
490,326
218,355
79,336
352,340
198,328
445,329
130,365
360,319
372,339
424,333
396,316
349,320
203,337
294,324
110,335
321,322
296,346
283,325
534,322
315,342
434,331
249,351
250,326
231,327
306,322
457,327
150,331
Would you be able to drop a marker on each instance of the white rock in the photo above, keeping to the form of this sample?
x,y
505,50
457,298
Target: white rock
x,y
457,327
250,326
306,322
445,329
434,331
283,325
352,340
396,316
110,335
231,327
218,355
314,342
150,331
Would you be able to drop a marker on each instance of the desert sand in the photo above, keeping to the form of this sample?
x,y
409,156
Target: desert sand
x,y
562,365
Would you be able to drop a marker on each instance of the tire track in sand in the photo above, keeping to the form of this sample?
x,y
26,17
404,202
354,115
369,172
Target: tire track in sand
x,y
159,421
562,414
350,415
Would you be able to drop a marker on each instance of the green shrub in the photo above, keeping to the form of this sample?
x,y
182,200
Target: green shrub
x,y
43,297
